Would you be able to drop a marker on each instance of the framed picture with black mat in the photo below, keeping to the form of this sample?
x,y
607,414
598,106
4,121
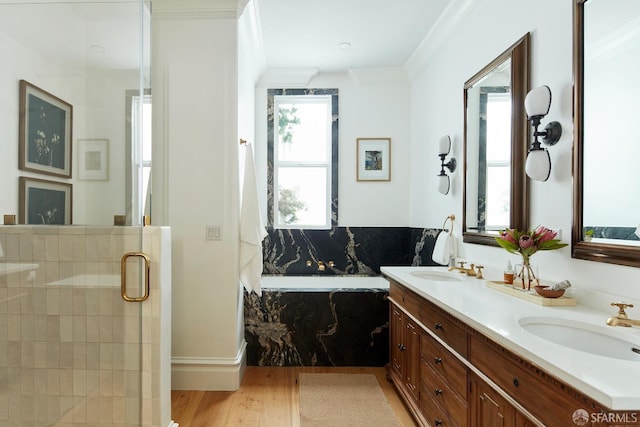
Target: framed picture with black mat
x,y
45,125
44,202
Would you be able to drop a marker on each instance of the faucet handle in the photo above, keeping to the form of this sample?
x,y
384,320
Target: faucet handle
x,y
479,268
471,271
462,263
621,306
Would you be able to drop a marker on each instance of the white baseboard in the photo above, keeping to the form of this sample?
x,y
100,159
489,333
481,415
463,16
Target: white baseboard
x,y
208,373
173,424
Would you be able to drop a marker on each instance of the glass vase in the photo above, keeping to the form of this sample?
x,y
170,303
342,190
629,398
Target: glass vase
x,y
526,275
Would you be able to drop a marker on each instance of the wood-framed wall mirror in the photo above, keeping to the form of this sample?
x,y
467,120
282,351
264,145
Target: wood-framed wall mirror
x,y
606,212
496,137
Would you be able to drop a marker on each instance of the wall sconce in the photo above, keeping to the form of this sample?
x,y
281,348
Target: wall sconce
x,y
537,103
444,147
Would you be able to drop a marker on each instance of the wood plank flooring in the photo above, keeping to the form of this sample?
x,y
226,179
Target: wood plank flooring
x,y
268,397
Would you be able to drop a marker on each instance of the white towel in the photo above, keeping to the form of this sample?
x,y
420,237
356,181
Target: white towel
x,y
443,249
252,231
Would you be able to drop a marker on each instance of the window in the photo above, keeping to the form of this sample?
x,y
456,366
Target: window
x,y
303,167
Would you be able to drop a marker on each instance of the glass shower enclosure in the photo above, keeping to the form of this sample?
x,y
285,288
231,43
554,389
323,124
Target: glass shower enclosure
x,y
81,300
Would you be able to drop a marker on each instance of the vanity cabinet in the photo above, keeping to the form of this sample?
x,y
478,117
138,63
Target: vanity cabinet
x,y
449,374
443,384
490,409
405,343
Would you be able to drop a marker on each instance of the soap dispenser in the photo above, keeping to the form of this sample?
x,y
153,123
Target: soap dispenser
x,y
508,274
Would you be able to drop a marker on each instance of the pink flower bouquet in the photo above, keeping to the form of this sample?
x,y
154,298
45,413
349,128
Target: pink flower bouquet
x,y
527,243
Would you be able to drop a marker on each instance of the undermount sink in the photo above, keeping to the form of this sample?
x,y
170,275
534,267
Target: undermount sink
x,y
438,276
603,341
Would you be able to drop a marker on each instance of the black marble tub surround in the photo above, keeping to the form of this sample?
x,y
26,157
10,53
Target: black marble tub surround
x,y
353,250
314,328
341,327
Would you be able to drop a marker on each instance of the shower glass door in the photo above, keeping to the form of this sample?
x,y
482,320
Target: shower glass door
x,y
75,137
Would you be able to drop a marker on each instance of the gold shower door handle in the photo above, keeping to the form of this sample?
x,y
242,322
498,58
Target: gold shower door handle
x,y
123,276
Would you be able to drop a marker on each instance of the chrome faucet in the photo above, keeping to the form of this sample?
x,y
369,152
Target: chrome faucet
x,y
621,319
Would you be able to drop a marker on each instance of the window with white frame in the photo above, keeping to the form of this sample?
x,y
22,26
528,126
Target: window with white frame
x,y
302,143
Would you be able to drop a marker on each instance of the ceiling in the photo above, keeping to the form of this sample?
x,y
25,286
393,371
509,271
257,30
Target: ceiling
x,y
295,33
307,33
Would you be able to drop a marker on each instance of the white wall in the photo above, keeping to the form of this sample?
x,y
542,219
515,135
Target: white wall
x,y
437,109
372,103
195,69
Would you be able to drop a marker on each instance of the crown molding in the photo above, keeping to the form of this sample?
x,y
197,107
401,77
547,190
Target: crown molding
x,y
287,77
198,9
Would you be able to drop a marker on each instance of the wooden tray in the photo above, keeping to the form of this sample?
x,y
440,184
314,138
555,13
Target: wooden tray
x,y
531,296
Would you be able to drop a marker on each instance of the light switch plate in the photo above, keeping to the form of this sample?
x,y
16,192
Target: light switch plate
x,y
213,232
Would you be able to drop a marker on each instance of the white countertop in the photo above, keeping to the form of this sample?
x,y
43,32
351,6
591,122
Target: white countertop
x,y
614,383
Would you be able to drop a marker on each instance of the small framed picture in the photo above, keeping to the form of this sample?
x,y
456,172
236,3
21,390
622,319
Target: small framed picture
x,y
374,159
45,125
44,202
93,159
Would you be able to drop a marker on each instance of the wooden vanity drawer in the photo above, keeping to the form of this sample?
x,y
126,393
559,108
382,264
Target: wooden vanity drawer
x,y
395,291
440,402
548,399
434,414
444,327
444,363
409,300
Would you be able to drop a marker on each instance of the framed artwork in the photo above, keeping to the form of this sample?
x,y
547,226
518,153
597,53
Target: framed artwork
x,y
374,159
93,159
44,132
44,202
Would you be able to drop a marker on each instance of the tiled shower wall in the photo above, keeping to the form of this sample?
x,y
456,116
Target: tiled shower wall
x,y
70,352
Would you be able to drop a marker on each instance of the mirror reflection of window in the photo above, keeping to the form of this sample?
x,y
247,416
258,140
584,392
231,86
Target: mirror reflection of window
x,y
138,157
498,158
142,153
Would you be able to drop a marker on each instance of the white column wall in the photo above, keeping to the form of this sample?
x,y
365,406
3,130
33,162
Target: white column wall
x,y
196,137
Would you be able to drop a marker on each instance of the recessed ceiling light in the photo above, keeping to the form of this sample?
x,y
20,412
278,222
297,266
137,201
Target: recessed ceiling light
x,y
344,45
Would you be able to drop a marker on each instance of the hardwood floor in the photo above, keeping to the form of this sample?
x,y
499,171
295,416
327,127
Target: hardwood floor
x,y
268,397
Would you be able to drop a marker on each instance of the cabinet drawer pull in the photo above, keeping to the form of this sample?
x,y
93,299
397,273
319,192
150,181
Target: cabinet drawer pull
x,y
516,383
437,422
437,325
437,360
402,347
437,391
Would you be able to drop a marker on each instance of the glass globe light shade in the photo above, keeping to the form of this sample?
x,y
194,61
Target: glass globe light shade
x,y
538,101
444,145
443,184
538,164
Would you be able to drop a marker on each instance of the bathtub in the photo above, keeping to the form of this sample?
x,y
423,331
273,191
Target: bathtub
x,y
318,321
323,283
